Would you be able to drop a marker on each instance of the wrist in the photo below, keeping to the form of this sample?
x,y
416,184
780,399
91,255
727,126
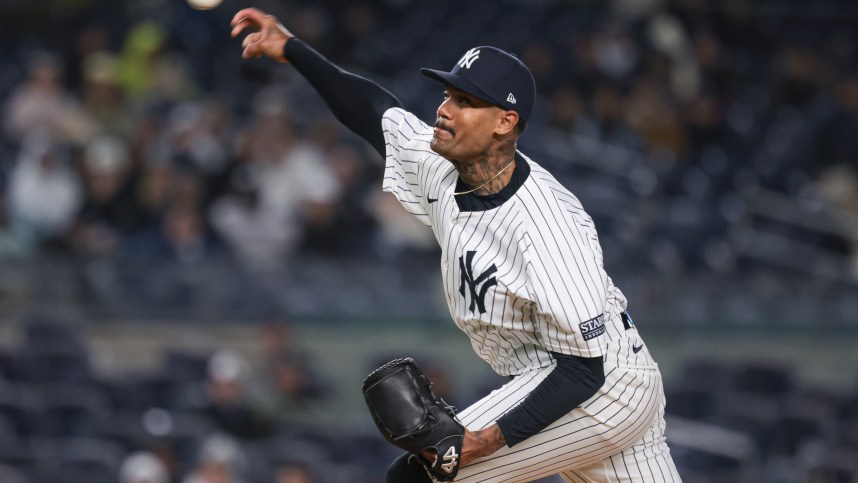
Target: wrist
x,y
487,440
287,36
494,437
289,45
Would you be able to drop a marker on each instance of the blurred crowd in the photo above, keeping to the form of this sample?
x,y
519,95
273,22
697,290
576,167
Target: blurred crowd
x,y
133,129
197,416
116,148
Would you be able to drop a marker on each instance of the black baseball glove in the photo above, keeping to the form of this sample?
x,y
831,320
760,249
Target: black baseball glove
x,y
412,417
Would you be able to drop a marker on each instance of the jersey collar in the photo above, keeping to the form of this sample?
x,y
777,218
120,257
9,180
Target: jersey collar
x,y
473,202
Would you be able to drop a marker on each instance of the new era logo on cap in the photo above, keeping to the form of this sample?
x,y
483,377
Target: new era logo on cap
x,y
493,75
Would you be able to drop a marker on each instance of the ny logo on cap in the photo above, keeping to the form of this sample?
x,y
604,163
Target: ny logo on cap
x,y
469,58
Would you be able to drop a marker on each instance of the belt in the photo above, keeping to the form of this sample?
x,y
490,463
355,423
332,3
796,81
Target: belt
x,y
628,323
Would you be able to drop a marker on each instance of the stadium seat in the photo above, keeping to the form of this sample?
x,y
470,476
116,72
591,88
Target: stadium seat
x,y
72,410
791,431
19,409
770,379
52,363
124,428
90,460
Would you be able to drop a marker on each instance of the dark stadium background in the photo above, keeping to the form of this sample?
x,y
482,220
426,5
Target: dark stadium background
x,y
197,267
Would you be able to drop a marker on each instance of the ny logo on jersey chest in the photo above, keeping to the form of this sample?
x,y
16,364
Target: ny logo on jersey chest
x,y
483,282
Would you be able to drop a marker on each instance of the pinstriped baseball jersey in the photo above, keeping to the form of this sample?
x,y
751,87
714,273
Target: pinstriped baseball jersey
x,y
522,279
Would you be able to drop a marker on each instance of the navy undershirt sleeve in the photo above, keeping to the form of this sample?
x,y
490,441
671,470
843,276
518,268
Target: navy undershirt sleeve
x,y
573,381
356,102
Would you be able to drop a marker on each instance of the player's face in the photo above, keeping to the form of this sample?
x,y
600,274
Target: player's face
x,y
465,126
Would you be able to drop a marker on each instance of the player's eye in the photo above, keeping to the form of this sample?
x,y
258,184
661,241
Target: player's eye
x,y
446,95
463,101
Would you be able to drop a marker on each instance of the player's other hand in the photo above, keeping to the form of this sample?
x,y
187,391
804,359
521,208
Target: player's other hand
x,y
481,443
268,37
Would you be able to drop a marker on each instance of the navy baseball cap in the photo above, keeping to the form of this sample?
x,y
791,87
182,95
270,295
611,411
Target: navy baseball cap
x,y
492,75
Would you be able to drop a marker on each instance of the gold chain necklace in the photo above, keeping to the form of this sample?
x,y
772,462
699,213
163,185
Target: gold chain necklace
x,y
487,182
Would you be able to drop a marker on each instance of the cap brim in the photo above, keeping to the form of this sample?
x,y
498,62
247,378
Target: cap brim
x,y
459,83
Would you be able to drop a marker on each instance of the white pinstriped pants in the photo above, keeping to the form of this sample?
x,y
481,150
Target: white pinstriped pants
x,y
615,436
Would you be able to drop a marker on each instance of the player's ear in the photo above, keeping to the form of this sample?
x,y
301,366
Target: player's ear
x,y
507,120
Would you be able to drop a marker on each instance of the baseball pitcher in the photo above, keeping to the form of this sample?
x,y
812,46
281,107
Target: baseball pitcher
x,y
522,270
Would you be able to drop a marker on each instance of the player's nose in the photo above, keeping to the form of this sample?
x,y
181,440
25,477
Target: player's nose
x,y
444,110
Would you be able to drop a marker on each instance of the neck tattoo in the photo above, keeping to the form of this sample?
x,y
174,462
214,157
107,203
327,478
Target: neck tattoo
x,y
487,182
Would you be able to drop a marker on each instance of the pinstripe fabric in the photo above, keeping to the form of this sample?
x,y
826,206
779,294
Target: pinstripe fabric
x,y
522,280
540,247
617,435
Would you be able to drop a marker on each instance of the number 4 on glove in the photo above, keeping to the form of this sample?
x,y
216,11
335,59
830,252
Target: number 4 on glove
x,y
409,415
451,460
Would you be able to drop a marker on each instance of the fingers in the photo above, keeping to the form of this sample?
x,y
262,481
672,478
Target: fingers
x,y
251,38
246,13
251,47
248,17
267,40
239,26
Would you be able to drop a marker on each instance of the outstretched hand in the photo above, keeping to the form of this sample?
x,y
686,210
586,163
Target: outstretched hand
x,y
268,39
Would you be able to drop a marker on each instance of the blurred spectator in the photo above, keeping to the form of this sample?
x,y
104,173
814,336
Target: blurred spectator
x,y
668,38
143,467
293,390
137,61
197,134
43,166
42,103
539,59
615,52
606,122
184,233
155,192
288,386
220,460
229,403
103,97
802,73
649,113
110,210
566,109
169,204
345,227
283,181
